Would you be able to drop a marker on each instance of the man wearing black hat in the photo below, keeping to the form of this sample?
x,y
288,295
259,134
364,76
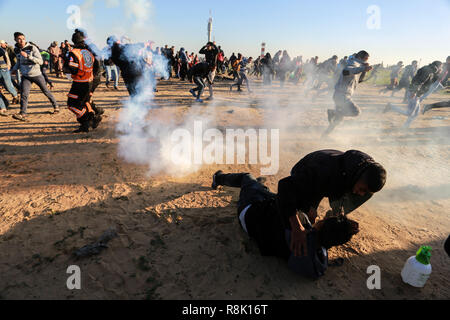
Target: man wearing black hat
x,y
211,52
82,65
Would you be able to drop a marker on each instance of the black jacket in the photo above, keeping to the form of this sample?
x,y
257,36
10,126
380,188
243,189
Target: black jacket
x,y
199,70
210,55
327,173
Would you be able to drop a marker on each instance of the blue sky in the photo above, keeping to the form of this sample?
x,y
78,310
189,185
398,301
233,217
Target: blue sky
x,y
410,29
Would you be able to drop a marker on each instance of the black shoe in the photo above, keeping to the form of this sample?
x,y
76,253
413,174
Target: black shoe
x,y
96,121
214,183
82,129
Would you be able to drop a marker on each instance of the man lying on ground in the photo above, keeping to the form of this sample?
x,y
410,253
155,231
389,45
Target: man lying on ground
x,y
259,217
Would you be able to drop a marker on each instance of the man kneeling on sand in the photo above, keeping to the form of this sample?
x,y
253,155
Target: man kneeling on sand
x,y
284,224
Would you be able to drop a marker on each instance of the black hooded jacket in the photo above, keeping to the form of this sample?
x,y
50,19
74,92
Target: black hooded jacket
x,y
327,173
199,70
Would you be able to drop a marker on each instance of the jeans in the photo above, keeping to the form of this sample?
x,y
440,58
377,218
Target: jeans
x,y
3,102
25,91
6,76
200,86
112,74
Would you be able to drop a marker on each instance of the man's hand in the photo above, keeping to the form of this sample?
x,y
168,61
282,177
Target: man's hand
x,y
298,237
24,54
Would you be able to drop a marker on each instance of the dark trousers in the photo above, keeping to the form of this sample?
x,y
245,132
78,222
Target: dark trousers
x,y
439,105
183,70
26,87
251,190
78,102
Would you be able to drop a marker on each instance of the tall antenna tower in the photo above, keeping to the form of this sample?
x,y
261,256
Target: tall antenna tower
x,y
210,26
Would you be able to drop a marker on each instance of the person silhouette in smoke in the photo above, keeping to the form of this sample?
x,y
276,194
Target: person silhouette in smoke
x,y
126,57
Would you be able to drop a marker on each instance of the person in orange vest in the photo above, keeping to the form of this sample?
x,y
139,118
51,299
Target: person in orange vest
x,y
82,65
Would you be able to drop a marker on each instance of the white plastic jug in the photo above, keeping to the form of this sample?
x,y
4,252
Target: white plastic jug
x,y
418,269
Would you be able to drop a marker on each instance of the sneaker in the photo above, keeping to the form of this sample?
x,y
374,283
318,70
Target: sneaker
x,y
193,93
82,129
3,113
20,117
199,100
388,108
214,185
427,108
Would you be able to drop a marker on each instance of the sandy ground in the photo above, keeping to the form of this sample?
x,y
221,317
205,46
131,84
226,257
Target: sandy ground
x,y
178,239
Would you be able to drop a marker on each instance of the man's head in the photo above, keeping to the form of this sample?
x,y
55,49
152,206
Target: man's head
x,y
19,37
78,37
3,44
239,56
372,180
437,65
335,231
209,45
400,64
415,63
363,56
112,40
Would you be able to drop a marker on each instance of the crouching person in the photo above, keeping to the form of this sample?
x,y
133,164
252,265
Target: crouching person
x,y
259,218
81,65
